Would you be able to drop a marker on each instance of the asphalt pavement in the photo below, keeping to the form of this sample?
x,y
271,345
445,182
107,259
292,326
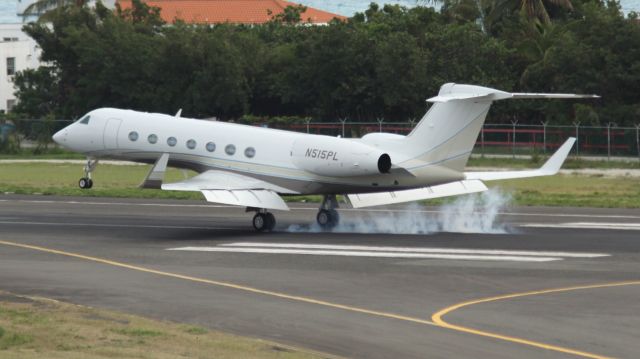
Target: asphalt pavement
x,y
403,281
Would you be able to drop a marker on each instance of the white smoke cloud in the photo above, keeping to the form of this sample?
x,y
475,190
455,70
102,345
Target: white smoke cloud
x,y
476,213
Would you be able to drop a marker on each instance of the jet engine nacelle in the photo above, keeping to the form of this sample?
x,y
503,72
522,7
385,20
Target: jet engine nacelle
x,y
337,157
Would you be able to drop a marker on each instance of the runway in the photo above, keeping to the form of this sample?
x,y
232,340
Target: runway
x,y
557,282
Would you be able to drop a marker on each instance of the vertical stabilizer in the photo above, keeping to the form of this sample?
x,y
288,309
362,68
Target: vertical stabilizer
x,y
448,131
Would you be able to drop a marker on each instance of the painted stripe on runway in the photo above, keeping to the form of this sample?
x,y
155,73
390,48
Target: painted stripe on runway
x,y
373,210
586,225
367,254
108,225
416,250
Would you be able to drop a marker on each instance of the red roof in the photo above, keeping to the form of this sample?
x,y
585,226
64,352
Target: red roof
x,y
233,11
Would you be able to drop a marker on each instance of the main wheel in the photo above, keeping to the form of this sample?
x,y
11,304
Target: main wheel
x,y
259,222
271,221
327,219
90,183
84,183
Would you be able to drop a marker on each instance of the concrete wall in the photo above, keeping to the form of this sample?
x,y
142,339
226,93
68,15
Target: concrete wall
x,y
26,53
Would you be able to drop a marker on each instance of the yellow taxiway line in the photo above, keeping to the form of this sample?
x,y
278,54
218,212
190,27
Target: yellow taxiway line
x,y
222,284
437,317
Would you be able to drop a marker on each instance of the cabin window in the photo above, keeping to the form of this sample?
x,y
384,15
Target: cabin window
x,y
230,150
250,152
191,144
171,141
211,146
85,120
133,136
152,138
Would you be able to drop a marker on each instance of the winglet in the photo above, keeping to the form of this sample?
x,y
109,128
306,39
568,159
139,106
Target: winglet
x,y
179,113
553,164
156,175
550,168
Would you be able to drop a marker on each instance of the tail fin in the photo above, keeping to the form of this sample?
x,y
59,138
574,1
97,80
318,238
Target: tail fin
x,y
449,130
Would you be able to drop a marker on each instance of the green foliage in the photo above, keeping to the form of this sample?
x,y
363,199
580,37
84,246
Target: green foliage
x,y
381,63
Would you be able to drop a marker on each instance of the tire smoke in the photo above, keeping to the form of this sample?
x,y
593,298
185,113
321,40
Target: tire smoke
x,y
476,213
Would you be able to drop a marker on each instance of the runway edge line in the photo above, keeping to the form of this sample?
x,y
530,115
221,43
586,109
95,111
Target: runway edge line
x,y
437,317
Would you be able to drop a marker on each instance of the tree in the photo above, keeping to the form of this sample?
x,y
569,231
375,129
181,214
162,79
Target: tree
x,y
534,11
43,8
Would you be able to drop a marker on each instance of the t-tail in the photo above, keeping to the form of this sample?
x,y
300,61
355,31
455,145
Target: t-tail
x,y
449,130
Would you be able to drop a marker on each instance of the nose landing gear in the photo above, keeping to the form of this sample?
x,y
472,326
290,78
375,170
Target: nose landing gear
x,y
86,182
328,217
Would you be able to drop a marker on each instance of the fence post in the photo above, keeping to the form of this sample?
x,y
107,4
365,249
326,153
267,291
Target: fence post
x,y
544,136
343,122
638,139
412,122
513,140
308,121
609,125
380,121
577,125
482,140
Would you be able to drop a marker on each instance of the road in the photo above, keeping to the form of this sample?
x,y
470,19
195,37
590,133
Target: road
x,y
362,295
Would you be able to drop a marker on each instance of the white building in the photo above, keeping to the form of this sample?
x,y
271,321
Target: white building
x,y
17,52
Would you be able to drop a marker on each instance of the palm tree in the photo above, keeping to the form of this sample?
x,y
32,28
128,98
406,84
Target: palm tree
x,y
533,10
41,7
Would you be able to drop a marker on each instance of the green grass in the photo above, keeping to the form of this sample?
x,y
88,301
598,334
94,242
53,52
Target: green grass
x,y
123,181
73,332
52,153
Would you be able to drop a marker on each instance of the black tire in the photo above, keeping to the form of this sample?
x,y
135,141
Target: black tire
x,y
260,222
83,183
90,183
327,219
271,221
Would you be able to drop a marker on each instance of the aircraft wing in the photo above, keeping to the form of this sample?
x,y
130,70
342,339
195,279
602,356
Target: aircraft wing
x,y
551,167
410,195
235,189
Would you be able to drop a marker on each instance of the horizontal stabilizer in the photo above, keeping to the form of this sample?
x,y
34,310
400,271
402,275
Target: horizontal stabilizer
x,y
443,190
247,198
550,168
455,92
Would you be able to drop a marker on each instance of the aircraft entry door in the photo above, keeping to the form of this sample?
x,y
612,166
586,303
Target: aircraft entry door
x,y
110,135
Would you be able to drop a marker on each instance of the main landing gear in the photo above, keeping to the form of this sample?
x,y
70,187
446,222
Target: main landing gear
x,y
263,221
86,182
327,216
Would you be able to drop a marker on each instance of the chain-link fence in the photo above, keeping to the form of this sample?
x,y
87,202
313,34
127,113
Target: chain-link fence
x,y
508,139
505,139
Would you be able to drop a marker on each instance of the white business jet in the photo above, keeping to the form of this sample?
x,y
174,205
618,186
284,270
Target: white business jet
x,y
252,166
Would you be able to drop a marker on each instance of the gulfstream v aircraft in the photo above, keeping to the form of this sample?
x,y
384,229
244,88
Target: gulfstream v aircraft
x,y
252,166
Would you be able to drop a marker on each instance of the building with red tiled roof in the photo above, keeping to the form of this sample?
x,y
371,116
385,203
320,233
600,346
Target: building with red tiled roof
x,y
232,11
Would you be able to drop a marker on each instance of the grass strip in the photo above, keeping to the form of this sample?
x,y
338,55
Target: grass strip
x,y
33,328
122,181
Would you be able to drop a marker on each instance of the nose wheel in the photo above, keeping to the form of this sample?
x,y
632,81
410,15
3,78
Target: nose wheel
x,y
264,221
86,182
328,217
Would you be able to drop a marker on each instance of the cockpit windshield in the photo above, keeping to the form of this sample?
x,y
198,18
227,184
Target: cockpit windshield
x,y
85,120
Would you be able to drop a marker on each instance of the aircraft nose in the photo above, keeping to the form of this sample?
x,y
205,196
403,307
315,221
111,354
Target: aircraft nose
x,y
60,137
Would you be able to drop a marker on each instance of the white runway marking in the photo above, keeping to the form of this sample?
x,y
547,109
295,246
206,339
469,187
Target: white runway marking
x,y
373,210
416,250
62,224
587,225
391,252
